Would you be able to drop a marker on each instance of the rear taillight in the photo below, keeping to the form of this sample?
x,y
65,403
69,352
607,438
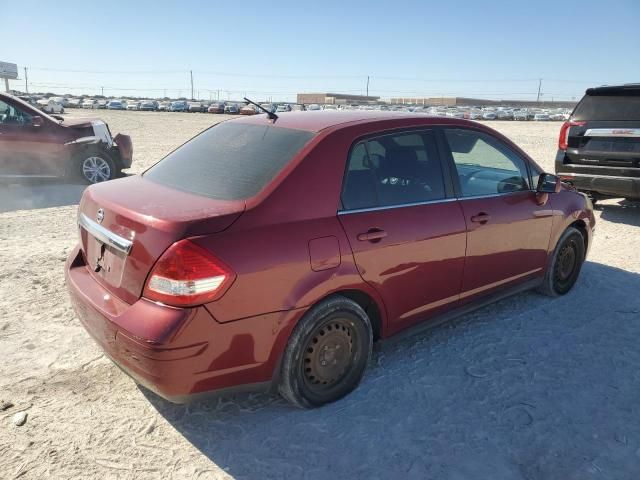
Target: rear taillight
x,y
563,139
187,275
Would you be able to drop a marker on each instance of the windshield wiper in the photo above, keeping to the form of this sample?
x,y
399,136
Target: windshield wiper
x,y
271,115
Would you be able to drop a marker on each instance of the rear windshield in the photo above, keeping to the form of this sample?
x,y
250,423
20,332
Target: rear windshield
x,y
608,107
229,161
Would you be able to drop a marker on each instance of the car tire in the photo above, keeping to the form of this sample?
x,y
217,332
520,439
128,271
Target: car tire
x,y
327,353
95,166
565,264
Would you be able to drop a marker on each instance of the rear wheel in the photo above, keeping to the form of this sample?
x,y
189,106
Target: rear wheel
x,y
327,353
566,262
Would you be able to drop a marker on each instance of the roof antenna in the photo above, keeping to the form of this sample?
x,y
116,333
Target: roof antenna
x,y
271,115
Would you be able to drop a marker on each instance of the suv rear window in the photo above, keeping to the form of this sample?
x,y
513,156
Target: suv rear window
x,y
229,161
608,107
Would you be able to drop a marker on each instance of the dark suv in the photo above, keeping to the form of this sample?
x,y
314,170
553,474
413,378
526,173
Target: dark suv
x,y
599,147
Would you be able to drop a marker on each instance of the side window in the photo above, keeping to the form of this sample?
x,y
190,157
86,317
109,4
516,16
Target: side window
x,y
392,170
10,115
485,165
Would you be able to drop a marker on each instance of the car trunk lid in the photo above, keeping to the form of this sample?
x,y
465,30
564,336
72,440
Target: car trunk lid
x,y
126,225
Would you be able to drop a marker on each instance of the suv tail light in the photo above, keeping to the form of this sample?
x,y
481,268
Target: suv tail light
x,y
563,139
187,275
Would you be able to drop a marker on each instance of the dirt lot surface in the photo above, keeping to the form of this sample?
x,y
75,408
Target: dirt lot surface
x,y
528,388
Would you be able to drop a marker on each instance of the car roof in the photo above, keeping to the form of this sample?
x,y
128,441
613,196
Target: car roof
x,y
321,120
627,89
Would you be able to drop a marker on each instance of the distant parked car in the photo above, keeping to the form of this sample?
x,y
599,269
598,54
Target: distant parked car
x,y
102,104
148,105
231,109
541,117
283,108
178,106
248,110
297,108
133,105
116,105
520,115
195,107
314,107
489,115
73,103
163,106
216,108
34,144
47,105
504,115
89,103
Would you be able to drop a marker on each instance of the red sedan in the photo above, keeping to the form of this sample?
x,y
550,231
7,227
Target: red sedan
x,y
274,252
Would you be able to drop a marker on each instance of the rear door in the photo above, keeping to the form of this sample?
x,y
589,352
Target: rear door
x,y
507,231
406,229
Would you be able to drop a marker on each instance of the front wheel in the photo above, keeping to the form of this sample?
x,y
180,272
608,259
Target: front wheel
x,y
327,353
566,262
95,167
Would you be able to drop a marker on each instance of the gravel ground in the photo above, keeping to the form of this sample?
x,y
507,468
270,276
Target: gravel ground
x,y
528,388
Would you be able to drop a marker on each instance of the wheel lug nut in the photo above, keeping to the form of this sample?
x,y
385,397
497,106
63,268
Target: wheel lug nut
x,y
323,363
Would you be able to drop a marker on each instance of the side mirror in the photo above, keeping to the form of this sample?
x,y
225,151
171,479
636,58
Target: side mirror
x,y
36,121
548,183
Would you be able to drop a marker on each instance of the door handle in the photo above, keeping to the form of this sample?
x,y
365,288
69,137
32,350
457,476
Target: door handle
x,y
373,235
481,218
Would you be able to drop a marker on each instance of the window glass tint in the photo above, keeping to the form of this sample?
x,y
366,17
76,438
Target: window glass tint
x,y
393,170
230,161
608,107
485,165
10,115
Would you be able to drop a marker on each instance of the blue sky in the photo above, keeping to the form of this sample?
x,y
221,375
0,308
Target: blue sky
x,y
490,49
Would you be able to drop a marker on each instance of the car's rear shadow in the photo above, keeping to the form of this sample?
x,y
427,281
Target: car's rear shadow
x,y
38,194
529,387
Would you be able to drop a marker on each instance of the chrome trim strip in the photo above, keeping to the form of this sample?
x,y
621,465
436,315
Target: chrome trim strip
x,y
493,195
105,236
401,205
613,132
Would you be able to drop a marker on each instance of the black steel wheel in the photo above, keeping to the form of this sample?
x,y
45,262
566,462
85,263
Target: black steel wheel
x,y
566,263
327,353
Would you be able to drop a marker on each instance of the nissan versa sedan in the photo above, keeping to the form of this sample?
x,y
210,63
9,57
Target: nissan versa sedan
x,y
275,251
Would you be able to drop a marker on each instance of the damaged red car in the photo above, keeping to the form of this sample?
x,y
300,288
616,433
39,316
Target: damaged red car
x,y
272,252
34,144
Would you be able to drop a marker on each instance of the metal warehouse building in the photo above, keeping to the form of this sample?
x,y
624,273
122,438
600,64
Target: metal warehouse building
x,y
335,98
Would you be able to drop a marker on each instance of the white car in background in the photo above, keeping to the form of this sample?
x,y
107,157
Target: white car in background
x,y
89,103
73,103
48,105
133,105
330,107
313,107
490,115
541,117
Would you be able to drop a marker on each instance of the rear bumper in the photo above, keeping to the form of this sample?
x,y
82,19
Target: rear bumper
x,y
178,353
601,180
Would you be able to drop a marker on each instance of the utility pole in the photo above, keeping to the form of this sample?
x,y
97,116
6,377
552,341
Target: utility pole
x,y
102,90
367,85
539,86
191,72
26,82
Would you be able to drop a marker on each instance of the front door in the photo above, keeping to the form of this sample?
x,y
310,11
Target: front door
x,y
406,230
507,230
27,150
